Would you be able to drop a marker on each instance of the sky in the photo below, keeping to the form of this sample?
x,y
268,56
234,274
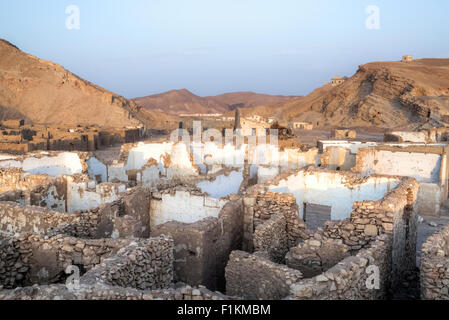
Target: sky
x,y
289,47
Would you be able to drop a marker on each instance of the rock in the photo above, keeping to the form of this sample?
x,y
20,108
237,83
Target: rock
x,y
371,230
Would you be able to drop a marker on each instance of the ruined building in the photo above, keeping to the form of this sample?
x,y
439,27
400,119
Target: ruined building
x,y
203,220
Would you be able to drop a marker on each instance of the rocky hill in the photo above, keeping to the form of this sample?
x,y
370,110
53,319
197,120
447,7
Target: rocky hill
x,y
382,94
46,93
177,102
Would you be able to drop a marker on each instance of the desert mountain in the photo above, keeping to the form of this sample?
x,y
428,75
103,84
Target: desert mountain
x,y
250,99
179,102
383,94
46,93
185,102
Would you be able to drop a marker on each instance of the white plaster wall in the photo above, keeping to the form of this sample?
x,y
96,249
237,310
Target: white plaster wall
x,y
138,157
292,159
87,195
54,201
265,173
210,153
223,185
64,163
8,164
423,167
429,197
353,146
418,137
5,156
328,188
150,176
117,172
184,207
96,167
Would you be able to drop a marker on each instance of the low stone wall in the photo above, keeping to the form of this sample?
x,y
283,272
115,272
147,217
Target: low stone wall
x,y
16,179
126,217
144,265
34,259
255,276
313,257
105,292
435,267
16,218
348,279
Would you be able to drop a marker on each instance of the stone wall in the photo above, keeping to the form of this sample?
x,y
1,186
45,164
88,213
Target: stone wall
x,y
105,292
347,280
260,207
271,237
144,265
255,276
202,248
16,218
16,179
12,268
395,214
380,233
35,259
313,257
435,267
426,163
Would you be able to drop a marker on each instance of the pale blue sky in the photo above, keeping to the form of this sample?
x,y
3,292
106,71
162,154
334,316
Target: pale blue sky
x,y
142,47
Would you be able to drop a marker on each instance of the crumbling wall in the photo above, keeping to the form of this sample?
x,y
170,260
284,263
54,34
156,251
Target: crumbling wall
x,y
313,257
51,164
141,265
380,233
338,158
271,237
127,217
427,164
344,134
187,206
255,276
84,194
47,257
406,136
15,218
13,268
347,280
341,189
105,292
97,170
260,208
51,194
16,179
435,267
222,184
172,160
202,248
